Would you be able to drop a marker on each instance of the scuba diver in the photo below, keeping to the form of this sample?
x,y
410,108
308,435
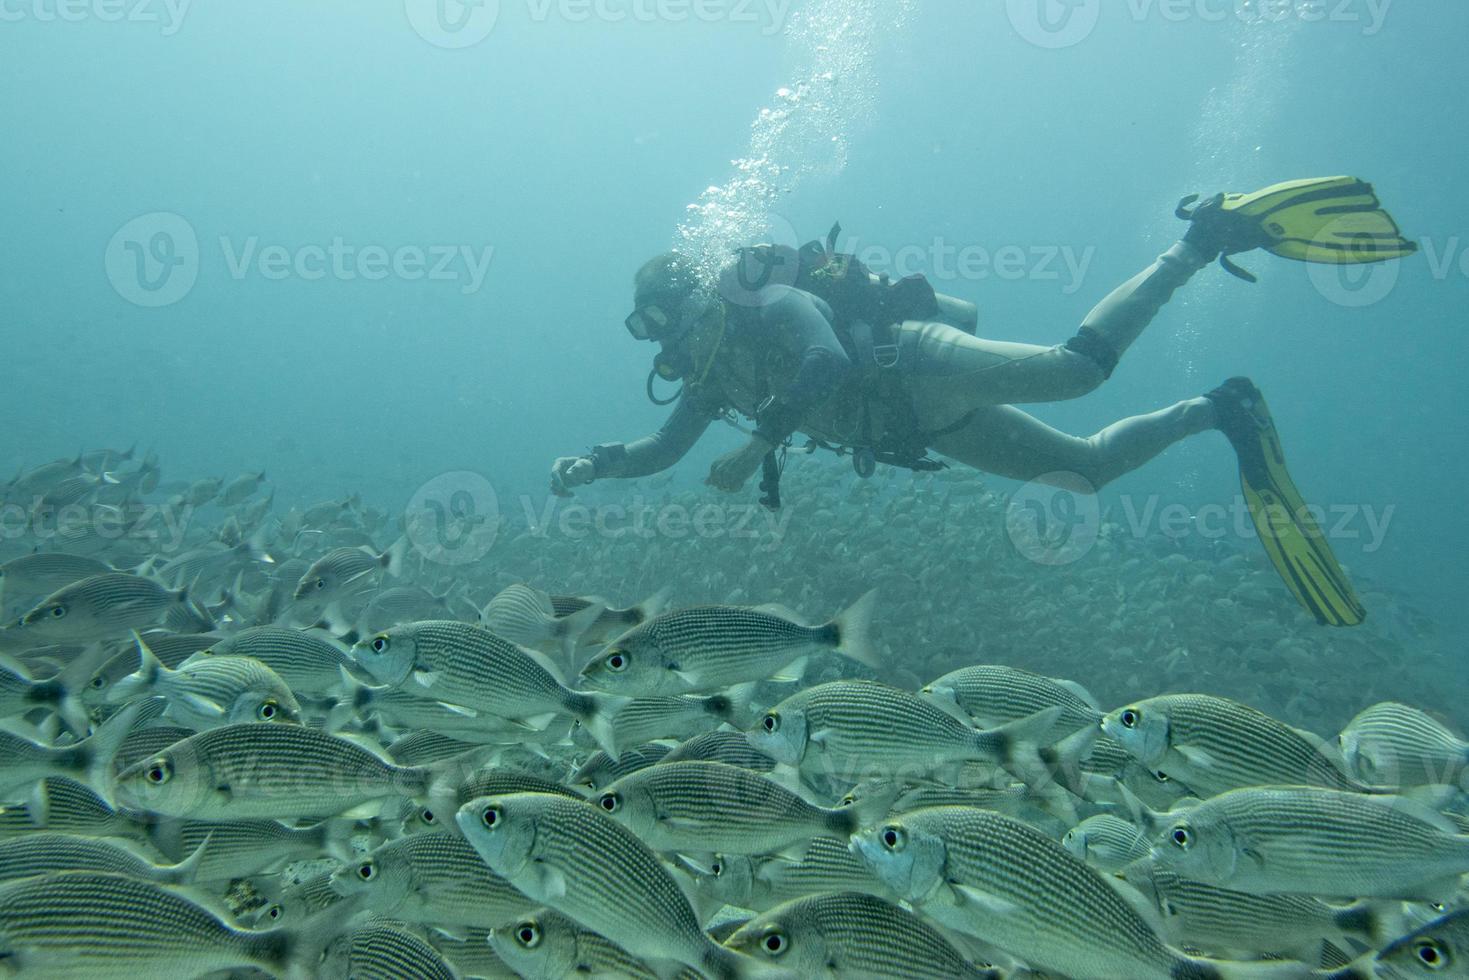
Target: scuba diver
x,y
809,341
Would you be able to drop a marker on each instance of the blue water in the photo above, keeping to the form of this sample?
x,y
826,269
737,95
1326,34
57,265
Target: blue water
x,y
570,148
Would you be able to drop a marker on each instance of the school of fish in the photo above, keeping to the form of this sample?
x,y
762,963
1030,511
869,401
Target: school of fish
x,y
867,739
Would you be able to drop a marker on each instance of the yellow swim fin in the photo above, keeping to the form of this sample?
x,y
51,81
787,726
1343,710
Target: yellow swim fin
x,y
1331,220
1293,540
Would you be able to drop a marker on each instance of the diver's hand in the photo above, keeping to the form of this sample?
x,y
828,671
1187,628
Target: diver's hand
x,y
731,470
571,471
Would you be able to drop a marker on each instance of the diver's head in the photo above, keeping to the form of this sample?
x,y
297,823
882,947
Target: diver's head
x,y
667,299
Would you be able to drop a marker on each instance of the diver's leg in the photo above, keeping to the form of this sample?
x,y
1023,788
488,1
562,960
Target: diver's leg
x,y
953,372
1005,441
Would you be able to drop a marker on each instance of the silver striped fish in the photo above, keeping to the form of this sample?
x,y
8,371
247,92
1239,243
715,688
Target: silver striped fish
x,y
1397,745
601,769
851,934
431,879
680,716
852,729
722,745
266,771
1012,887
1304,839
100,607
241,848
1439,949
1212,745
65,806
707,648
307,661
23,761
97,925
525,615
993,694
1107,842
576,859
43,853
1230,922
468,665
205,692
547,945
383,951
684,806
297,902
824,865
342,571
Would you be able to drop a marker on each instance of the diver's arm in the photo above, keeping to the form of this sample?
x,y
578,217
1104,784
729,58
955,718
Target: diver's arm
x,y
1114,323
796,318
656,452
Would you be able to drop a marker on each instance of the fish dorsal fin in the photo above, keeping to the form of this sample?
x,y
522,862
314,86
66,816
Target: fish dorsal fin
x,y
1079,691
784,612
545,663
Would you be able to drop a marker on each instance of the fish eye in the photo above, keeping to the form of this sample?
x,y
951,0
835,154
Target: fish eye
x,y
490,817
771,722
774,941
528,934
1430,954
57,612
274,912
610,802
617,661
321,583
893,838
159,772
1438,906
1130,717
267,711
1181,837
99,682
367,871
1161,776
380,644
427,816
716,869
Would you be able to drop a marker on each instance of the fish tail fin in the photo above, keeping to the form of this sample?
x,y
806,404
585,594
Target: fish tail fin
x,y
1064,759
1017,745
336,837
569,630
392,559
597,711
733,705
104,744
184,872
141,681
852,631
1375,922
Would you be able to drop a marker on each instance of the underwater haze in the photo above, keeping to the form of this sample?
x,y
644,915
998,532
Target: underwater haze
x,y
375,559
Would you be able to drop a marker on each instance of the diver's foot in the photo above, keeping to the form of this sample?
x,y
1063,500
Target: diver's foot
x,y
1236,409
